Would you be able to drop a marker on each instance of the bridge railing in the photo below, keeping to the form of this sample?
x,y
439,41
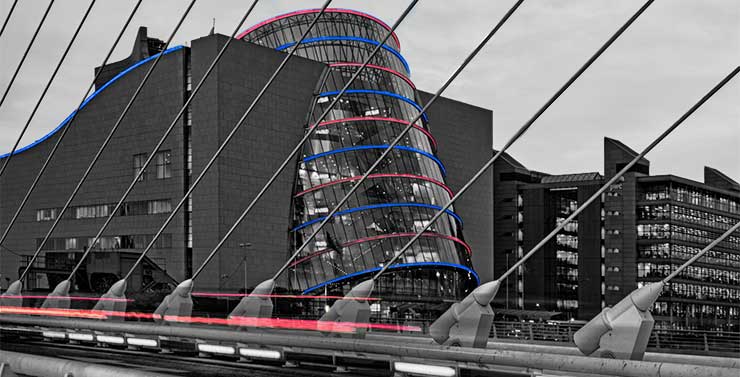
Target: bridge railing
x,y
693,340
689,341
661,340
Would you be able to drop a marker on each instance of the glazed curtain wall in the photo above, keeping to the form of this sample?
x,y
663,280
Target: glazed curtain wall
x,y
401,195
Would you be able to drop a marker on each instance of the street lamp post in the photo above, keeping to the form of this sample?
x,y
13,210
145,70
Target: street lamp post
x,y
244,260
507,280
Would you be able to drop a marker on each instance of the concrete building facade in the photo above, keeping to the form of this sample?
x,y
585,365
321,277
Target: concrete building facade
x,y
642,228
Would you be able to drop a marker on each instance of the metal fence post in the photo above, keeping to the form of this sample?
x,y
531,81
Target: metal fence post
x,y
706,343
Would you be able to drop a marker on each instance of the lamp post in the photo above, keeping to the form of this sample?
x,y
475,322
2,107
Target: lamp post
x,y
508,252
244,260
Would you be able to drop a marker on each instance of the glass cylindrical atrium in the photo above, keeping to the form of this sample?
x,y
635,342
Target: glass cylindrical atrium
x,y
401,195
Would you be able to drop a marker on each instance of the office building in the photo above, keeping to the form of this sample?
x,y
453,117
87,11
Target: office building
x,y
641,228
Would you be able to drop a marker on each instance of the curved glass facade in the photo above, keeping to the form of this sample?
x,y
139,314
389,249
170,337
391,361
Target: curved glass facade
x,y
401,195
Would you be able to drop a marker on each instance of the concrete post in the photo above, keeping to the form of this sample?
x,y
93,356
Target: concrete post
x,y
468,322
12,296
179,303
353,308
257,304
623,331
59,297
108,301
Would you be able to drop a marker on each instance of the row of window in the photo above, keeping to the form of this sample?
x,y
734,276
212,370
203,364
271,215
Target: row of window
x,y
683,252
567,240
369,79
384,105
376,222
682,233
571,226
566,274
690,310
692,196
696,273
703,292
365,132
567,257
136,241
666,211
353,163
162,165
420,283
373,191
136,208
567,304
340,51
342,259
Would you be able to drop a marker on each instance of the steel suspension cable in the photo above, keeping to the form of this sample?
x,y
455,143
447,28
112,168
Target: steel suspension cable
x,y
702,252
68,125
10,13
516,136
161,141
297,148
48,85
619,174
25,53
226,140
110,134
389,149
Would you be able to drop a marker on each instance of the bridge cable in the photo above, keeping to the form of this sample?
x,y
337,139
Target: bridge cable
x,y
516,136
226,141
619,174
308,134
25,54
161,141
10,13
46,88
110,134
68,126
398,138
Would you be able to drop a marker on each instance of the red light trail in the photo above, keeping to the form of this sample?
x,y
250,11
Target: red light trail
x,y
75,298
278,323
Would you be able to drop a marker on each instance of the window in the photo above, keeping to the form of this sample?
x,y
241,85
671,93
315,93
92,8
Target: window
x,y
139,160
159,206
70,243
46,214
91,212
163,164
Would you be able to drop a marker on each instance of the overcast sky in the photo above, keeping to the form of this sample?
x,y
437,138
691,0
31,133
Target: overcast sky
x,y
668,59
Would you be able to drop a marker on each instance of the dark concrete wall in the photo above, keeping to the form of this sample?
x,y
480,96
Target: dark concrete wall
x,y
464,135
151,113
505,212
261,144
537,223
625,241
589,253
